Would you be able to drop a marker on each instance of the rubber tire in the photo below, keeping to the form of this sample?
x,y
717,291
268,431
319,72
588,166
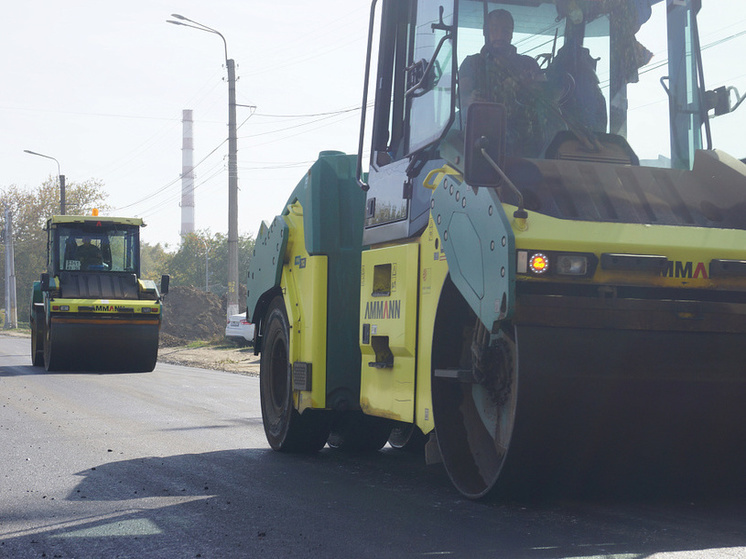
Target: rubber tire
x,y
407,437
286,429
37,339
353,431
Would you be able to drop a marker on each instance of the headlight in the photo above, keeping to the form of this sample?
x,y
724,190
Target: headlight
x,y
572,264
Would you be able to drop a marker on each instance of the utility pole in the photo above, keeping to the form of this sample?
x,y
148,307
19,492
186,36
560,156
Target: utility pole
x,y
232,193
11,314
232,295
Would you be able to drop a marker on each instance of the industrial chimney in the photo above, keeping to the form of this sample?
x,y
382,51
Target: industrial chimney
x,y
187,174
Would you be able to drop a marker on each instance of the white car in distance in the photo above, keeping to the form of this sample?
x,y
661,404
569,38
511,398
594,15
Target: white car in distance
x,y
240,329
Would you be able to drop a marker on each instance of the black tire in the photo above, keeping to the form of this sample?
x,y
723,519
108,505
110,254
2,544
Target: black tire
x,y
285,428
37,339
407,437
353,431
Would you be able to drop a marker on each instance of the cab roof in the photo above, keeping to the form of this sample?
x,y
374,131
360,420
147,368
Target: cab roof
x,y
68,219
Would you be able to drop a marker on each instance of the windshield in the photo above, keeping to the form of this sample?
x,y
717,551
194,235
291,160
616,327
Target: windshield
x,y
90,248
566,69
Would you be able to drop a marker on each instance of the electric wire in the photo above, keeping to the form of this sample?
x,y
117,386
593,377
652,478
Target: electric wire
x,y
334,115
171,183
174,181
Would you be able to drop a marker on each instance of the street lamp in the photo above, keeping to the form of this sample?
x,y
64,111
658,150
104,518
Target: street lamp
x,y
232,165
59,174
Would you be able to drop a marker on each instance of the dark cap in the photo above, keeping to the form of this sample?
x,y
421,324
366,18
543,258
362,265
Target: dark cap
x,y
500,14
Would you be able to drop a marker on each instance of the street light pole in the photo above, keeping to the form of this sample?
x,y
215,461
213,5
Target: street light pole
x,y
232,296
232,193
59,175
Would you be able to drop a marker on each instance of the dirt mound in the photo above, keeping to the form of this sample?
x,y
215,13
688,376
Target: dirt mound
x,y
191,314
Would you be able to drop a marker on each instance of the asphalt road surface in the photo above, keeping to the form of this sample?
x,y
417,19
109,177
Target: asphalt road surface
x,y
174,463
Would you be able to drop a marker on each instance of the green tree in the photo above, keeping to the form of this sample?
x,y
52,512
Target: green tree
x,y
154,261
30,210
219,263
187,267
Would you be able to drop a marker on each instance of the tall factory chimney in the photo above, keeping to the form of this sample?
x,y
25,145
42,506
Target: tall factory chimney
x,y
187,174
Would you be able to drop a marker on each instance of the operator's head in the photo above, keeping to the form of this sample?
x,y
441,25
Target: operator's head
x,y
498,29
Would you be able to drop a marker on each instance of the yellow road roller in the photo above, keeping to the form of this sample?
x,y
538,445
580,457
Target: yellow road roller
x,y
91,310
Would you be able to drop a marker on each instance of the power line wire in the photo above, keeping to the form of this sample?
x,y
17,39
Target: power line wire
x,y
171,183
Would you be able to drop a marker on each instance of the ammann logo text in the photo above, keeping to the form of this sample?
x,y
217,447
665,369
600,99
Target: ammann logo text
x,y
688,270
106,308
383,309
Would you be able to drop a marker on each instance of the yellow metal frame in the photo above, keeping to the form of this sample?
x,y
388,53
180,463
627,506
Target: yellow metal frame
x,y
679,244
105,306
689,248
388,313
304,288
388,393
433,273
418,272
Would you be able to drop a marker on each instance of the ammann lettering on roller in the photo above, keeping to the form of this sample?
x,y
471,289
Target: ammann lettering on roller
x,y
678,269
382,310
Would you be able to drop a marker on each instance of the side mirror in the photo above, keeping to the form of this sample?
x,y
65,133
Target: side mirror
x,y
486,126
45,282
165,279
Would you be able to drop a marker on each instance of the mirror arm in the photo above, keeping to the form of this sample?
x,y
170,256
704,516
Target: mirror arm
x,y
520,212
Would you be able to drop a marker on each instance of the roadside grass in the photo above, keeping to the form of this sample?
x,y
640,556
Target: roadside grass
x,y
219,343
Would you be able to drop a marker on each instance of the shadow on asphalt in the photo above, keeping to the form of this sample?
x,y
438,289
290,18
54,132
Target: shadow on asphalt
x,y
256,502
21,370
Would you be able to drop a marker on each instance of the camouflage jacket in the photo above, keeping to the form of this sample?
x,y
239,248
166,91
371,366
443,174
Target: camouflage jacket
x,y
508,78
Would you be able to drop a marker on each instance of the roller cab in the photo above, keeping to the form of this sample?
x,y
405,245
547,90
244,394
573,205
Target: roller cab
x,y
91,310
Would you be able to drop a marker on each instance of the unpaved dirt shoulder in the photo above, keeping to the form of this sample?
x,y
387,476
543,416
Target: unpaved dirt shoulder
x,y
221,358
218,358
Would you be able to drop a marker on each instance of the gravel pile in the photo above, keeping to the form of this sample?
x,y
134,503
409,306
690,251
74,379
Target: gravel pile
x,y
191,314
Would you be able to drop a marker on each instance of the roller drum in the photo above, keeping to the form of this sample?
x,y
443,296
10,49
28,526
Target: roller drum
x,y
588,410
111,345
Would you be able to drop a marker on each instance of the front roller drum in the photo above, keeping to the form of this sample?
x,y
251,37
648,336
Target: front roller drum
x,y
474,417
285,428
587,411
37,338
101,345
